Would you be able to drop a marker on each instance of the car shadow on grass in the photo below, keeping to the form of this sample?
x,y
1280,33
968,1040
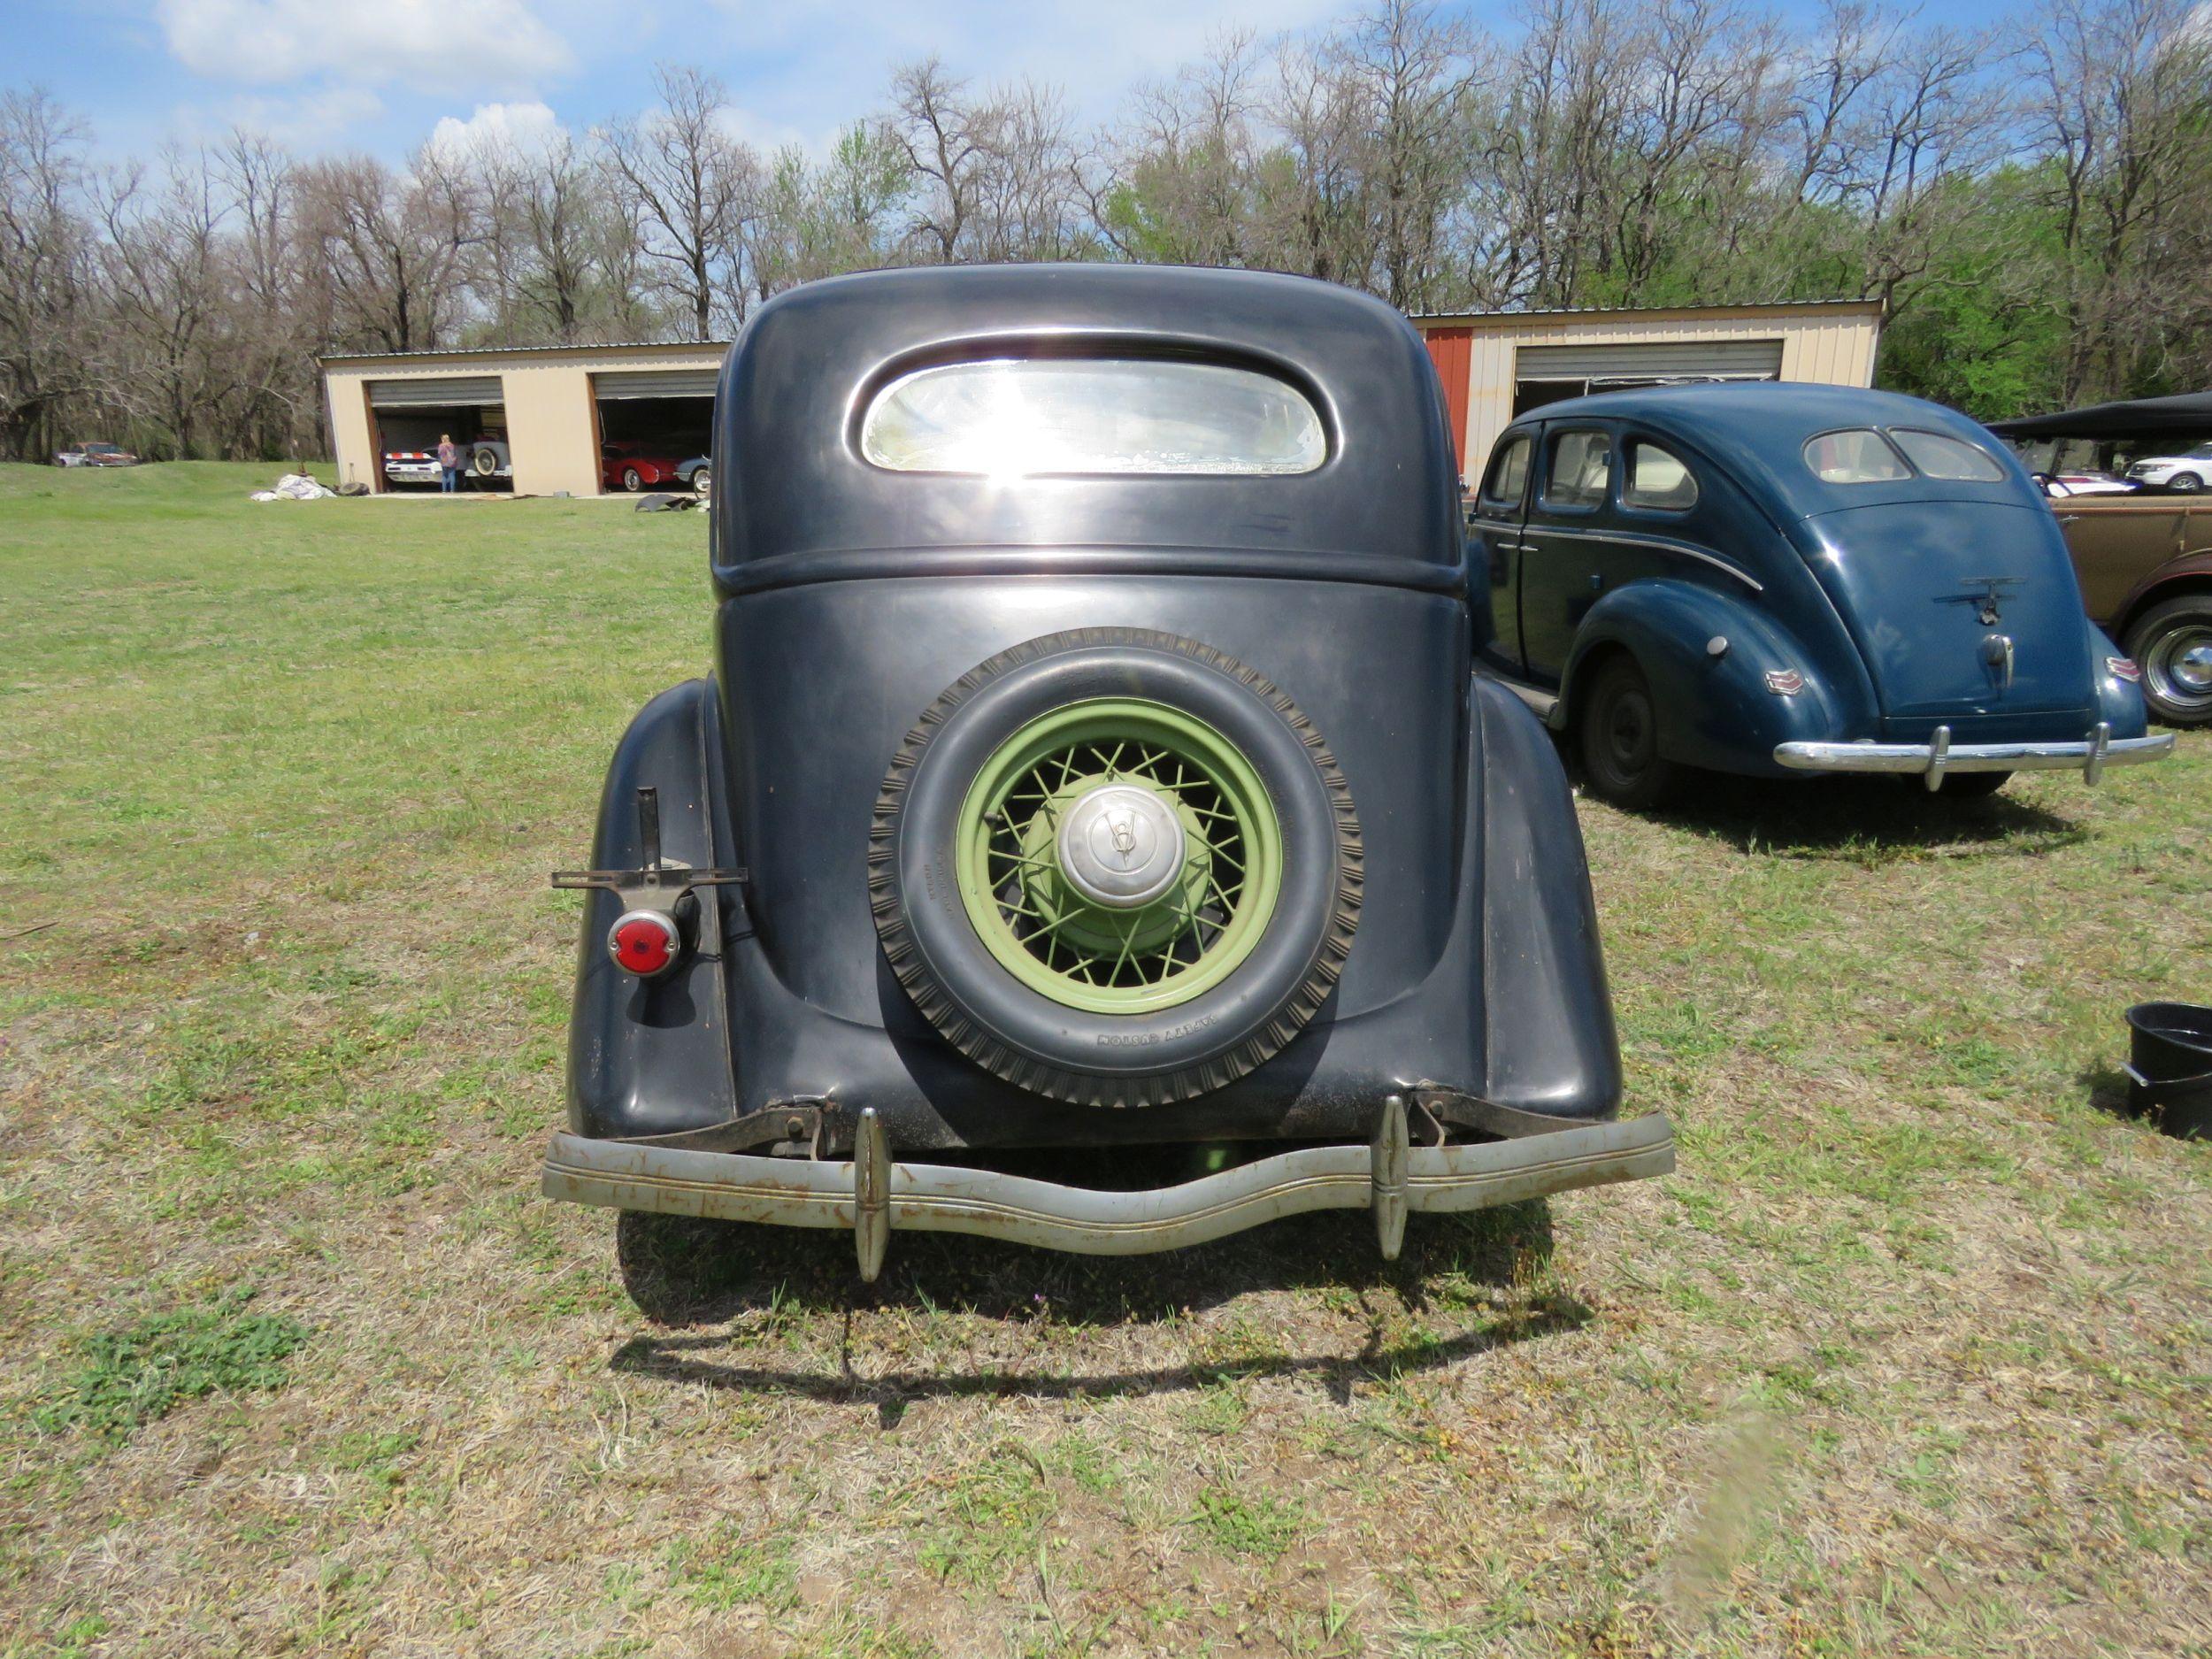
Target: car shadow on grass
x,y
1871,820
1490,1270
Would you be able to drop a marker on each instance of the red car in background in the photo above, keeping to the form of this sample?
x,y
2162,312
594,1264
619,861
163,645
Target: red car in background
x,y
635,466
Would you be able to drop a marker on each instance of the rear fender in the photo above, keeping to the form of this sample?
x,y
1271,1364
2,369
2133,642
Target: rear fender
x,y
652,1056
2185,573
1715,709
2119,702
1547,1017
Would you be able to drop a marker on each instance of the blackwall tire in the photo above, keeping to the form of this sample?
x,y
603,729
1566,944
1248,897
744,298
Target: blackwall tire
x,y
2185,483
1018,1023
1620,738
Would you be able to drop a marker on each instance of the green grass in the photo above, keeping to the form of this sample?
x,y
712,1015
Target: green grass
x,y
1910,1358
140,1372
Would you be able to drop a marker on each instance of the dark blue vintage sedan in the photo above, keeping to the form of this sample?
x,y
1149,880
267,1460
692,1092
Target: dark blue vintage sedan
x,y
1783,580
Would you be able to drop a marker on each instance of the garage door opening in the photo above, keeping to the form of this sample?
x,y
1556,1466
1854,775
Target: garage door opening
x,y
407,418
1550,374
653,429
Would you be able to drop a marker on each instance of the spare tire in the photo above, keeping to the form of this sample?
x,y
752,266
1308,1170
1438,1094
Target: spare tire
x,y
1116,867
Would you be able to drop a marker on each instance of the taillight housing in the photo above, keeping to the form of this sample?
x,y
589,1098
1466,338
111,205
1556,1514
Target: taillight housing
x,y
645,943
2123,668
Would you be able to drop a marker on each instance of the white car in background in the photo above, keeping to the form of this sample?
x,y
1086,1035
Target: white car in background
x,y
2187,473
411,466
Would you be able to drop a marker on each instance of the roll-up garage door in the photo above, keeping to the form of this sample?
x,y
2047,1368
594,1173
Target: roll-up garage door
x,y
1737,359
441,392
657,383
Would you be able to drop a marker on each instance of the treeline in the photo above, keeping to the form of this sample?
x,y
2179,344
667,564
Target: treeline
x,y
2031,201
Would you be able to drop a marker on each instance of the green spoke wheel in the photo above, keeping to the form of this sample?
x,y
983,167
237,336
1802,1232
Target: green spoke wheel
x,y
1218,875
1114,867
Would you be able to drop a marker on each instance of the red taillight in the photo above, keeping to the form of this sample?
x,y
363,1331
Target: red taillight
x,y
2123,668
644,943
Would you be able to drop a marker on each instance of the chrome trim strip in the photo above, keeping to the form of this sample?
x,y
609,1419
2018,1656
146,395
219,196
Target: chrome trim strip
x,y
943,1198
2090,755
1628,538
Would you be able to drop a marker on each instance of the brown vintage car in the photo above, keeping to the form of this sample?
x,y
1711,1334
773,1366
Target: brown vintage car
x,y
2144,556
2144,561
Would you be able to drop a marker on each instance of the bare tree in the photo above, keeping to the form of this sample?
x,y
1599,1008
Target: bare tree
x,y
1182,186
45,249
691,184
2121,103
393,247
1418,76
944,138
165,275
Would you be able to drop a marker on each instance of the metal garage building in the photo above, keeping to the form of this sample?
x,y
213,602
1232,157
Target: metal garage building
x,y
1497,364
554,408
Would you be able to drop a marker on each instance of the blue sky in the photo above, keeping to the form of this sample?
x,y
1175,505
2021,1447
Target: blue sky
x,y
380,74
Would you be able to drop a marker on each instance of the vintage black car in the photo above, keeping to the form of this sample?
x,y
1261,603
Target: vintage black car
x,y
1093,758
1788,579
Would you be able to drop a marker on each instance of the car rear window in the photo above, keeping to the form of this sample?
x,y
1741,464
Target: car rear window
x,y
1939,456
1862,457
1030,416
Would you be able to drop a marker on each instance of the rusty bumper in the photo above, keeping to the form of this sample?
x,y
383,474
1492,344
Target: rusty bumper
x,y
871,1196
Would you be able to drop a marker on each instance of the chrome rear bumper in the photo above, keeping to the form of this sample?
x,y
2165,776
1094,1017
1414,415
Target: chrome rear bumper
x,y
1933,759
872,1196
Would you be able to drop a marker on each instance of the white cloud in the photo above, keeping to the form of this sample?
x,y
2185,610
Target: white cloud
x,y
307,121
467,45
522,128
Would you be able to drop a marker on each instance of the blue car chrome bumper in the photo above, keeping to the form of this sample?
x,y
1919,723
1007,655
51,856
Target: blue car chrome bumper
x,y
2088,756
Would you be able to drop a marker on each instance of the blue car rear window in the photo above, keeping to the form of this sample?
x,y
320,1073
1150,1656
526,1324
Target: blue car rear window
x,y
1859,456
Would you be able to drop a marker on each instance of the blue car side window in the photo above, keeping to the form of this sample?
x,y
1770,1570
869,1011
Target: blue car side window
x,y
1581,470
1657,480
1507,476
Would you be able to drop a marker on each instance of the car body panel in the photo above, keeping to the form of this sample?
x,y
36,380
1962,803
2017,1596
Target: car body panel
x,y
2129,550
850,597
1892,607
1909,580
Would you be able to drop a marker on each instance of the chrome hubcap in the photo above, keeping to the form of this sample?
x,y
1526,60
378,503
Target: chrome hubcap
x,y
1121,846
2178,667
2193,667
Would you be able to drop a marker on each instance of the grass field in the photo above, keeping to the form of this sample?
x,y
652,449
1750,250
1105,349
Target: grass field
x,y
1913,1357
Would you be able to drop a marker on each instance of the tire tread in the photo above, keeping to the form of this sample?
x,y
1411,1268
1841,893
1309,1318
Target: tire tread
x,y
1268,1039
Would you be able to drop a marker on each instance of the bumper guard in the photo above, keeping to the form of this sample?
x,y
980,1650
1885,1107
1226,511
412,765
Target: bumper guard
x,y
1933,759
871,1196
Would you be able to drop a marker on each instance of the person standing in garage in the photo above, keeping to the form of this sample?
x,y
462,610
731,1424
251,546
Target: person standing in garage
x,y
448,463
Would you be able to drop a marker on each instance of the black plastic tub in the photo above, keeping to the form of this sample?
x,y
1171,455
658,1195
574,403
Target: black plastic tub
x,y
2169,1071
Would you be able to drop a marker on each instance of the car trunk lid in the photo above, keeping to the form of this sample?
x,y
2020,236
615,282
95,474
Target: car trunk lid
x,y
1965,611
